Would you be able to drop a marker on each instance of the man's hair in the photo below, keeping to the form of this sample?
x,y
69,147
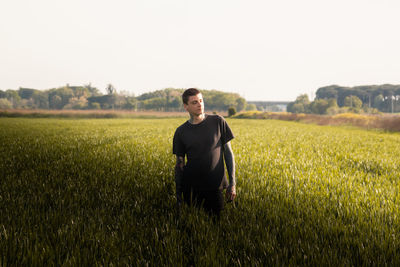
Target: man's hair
x,y
189,92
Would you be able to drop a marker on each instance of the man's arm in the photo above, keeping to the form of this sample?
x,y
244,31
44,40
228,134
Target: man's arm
x,y
180,162
230,166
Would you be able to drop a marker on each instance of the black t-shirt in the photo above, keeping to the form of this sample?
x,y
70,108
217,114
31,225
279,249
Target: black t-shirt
x,y
203,146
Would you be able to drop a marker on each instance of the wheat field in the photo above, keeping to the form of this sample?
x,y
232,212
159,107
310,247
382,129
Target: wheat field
x,y
101,192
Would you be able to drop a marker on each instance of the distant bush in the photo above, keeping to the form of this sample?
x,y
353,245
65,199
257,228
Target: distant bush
x,y
231,111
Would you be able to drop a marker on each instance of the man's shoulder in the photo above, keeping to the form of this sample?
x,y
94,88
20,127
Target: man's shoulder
x,y
181,127
216,117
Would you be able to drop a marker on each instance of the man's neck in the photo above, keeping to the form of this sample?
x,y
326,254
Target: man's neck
x,y
197,119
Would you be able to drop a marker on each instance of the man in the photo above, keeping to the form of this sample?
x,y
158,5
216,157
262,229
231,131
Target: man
x,y
205,141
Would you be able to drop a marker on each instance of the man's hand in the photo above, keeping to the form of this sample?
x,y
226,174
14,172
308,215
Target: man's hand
x,y
180,163
230,166
231,193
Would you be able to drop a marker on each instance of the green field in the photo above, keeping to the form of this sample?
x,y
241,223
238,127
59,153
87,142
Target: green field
x,y
101,192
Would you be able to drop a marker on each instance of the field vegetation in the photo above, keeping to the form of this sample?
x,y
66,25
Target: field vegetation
x,y
387,122
79,114
101,192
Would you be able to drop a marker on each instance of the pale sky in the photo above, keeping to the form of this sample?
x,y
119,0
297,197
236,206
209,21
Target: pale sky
x,y
263,50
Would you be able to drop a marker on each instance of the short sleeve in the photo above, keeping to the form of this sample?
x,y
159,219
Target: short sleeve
x,y
178,147
226,132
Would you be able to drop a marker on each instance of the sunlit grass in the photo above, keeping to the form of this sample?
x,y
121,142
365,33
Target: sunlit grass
x,y
84,192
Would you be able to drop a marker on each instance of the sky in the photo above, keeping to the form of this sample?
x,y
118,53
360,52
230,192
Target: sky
x,y
271,50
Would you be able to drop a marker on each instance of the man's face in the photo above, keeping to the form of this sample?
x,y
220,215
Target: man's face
x,y
195,105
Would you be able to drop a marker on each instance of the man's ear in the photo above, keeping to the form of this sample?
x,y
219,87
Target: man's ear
x,y
185,106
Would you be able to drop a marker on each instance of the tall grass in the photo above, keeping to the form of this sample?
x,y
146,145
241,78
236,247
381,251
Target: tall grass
x,y
386,122
101,192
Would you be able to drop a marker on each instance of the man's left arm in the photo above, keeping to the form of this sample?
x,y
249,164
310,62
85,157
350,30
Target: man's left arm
x,y
230,166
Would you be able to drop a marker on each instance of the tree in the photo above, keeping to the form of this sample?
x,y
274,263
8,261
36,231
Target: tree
x,y
131,103
303,99
176,103
319,106
353,102
40,99
332,103
240,104
93,91
300,105
378,101
333,107
154,104
327,92
110,89
56,102
13,97
63,96
297,108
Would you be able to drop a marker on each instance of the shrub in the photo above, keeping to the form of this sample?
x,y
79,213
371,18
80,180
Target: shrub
x,y
231,111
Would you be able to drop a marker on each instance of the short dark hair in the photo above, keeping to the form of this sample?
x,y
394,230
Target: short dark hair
x,y
189,92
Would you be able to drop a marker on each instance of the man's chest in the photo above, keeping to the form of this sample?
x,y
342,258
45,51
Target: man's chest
x,y
205,138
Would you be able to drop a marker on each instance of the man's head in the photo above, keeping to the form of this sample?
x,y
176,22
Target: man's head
x,y
193,101
188,93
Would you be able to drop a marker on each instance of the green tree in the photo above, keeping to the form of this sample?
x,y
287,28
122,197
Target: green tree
x,y
332,103
319,106
240,104
378,101
131,103
327,92
40,99
303,99
154,104
333,107
56,102
300,105
13,97
93,91
176,103
64,94
297,108
353,102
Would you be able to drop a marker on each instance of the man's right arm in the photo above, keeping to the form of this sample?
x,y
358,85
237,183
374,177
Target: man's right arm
x,y
178,177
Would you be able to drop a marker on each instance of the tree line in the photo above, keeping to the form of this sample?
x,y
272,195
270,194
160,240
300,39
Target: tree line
x,y
89,97
359,99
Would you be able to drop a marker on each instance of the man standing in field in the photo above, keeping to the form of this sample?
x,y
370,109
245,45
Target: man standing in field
x,y
205,141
